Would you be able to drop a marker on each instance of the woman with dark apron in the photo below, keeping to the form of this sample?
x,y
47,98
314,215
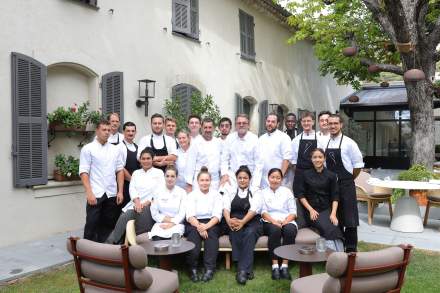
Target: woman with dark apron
x,y
240,210
318,192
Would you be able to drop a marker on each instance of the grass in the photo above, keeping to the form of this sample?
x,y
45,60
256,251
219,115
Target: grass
x,y
422,276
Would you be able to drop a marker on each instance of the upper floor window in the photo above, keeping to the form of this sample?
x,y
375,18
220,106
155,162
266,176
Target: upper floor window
x,y
186,18
93,3
247,38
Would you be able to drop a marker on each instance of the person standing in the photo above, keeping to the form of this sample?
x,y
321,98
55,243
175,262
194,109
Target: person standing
x,y
206,152
274,148
163,146
290,123
102,175
241,149
183,138
115,136
194,124
225,126
170,128
344,158
323,124
129,150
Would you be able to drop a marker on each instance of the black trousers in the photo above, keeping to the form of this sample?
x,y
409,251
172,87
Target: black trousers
x,y
143,221
210,246
101,218
126,192
351,239
324,225
243,244
287,233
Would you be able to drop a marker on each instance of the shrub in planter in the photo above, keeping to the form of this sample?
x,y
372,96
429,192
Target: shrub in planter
x,y
417,173
73,118
67,168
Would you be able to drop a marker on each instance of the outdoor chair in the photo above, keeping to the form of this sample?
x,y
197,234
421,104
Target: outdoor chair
x,y
373,272
372,195
433,200
117,268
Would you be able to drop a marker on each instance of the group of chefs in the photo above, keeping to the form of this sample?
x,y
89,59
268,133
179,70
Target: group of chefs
x,y
202,186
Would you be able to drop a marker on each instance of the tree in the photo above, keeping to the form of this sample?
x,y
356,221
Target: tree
x,y
392,36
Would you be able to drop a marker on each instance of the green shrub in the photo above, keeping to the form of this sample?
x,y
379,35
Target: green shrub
x,y
68,166
74,117
416,173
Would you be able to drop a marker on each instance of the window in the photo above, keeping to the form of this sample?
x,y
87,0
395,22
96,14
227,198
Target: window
x,y
29,122
93,3
184,92
185,18
247,39
263,110
113,94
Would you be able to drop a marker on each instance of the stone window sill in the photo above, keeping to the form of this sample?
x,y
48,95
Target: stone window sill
x,y
56,188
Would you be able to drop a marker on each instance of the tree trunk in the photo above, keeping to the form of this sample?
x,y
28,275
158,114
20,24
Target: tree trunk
x,y
422,123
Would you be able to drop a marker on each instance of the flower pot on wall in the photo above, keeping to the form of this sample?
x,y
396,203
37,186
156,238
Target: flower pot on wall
x,y
57,176
349,51
420,196
61,128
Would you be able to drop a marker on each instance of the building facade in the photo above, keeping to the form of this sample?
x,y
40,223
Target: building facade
x,y
63,52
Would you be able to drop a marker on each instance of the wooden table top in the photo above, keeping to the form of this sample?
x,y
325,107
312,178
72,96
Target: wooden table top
x,y
184,246
291,252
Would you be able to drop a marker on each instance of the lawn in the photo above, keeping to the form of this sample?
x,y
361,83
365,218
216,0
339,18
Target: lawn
x,y
422,276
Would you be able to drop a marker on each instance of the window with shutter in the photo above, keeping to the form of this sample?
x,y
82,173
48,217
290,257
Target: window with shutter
x,y
238,104
247,38
184,92
93,3
185,19
29,125
263,110
113,94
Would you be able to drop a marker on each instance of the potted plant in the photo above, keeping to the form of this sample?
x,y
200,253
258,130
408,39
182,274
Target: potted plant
x,y
73,118
67,168
417,173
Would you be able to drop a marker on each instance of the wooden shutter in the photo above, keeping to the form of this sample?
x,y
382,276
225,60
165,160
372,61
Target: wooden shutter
x,y
238,104
181,16
184,92
243,39
247,40
194,18
250,36
29,122
113,94
263,110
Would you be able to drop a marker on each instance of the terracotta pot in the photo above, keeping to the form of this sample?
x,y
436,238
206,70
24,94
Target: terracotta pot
x,y
420,196
353,99
62,128
349,51
57,176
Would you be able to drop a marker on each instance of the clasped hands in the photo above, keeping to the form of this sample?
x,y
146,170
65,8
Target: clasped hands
x,y
280,223
235,224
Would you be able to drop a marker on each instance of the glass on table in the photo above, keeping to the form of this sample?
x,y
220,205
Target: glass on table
x,y
320,244
175,239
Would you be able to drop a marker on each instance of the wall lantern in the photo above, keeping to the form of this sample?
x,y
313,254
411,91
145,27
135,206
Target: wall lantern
x,y
147,90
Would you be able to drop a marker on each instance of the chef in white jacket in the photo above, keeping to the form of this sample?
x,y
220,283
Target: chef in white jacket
x,y
168,208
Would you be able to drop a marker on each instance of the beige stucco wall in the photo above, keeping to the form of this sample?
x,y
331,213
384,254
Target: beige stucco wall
x,y
137,39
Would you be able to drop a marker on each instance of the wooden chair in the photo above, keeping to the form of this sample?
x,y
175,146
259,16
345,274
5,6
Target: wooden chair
x,y
372,195
433,200
375,271
117,268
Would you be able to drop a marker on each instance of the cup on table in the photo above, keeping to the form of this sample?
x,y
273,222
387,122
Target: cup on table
x,y
320,244
175,239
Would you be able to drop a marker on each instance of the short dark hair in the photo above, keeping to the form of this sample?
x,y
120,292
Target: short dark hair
x,y
242,115
324,113
225,119
317,150
149,151
208,120
102,122
273,170
157,115
341,120
191,116
307,114
172,168
172,119
291,114
273,114
109,115
128,124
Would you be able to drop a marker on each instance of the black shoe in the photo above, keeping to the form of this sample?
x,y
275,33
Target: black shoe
x,y
250,275
241,277
284,274
208,275
276,274
193,275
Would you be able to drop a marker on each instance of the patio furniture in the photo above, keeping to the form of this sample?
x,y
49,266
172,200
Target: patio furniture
x,y
372,195
433,200
376,271
407,216
117,268
292,252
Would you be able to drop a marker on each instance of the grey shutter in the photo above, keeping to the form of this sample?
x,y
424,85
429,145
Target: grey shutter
x,y
113,93
29,122
183,93
243,39
263,110
194,18
181,16
247,39
250,37
238,104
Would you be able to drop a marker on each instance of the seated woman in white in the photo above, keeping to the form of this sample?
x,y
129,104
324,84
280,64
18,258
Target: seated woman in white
x,y
168,208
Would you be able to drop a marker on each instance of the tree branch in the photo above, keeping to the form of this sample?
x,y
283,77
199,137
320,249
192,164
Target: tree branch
x,y
437,56
419,17
434,36
380,16
383,67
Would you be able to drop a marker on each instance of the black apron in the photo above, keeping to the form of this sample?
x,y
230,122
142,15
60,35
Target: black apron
x,y
160,152
348,214
131,164
304,162
240,207
117,142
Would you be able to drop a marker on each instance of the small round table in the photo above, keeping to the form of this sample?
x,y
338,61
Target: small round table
x,y
406,216
165,256
291,252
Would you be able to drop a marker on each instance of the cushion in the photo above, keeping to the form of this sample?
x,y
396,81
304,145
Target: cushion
x,y
309,284
366,284
435,198
163,281
386,256
112,275
262,242
300,215
224,242
306,236
336,264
